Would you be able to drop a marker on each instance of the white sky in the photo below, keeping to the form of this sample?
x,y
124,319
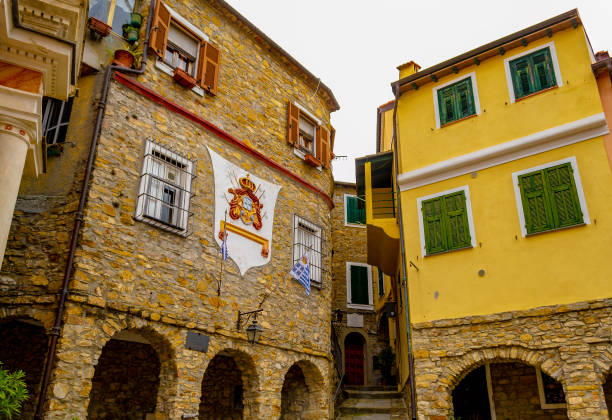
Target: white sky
x,y
354,46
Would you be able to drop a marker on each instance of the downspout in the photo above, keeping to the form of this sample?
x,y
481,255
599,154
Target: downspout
x,y
403,254
57,327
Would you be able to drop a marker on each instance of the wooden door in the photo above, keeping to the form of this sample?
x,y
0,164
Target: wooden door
x,y
354,360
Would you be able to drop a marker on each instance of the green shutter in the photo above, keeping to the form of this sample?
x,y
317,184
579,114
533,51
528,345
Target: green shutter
x,y
446,104
355,210
521,77
456,101
538,216
435,236
563,196
457,228
359,285
465,98
532,73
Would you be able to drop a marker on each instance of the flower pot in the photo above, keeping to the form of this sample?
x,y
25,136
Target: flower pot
x,y
130,33
124,58
312,161
135,20
183,78
99,27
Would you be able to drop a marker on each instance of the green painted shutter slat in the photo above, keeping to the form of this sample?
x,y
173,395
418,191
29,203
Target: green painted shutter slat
x,y
532,73
456,101
465,98
351,207
359,285
521,77
457,227
538,216
435,236
446,99
563,196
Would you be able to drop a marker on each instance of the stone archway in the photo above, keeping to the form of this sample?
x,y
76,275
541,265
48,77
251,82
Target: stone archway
x,y
23,346
134,366
303,394
229,387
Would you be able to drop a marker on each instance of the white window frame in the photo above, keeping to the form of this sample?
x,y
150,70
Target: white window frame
x,y
577,182
349,304
468,208
313,259
435,90
346,223
553,57
185,200
543,404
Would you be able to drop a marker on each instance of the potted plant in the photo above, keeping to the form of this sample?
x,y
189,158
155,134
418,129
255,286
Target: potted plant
x,y
386,360
183,78
13,392
98,27
130,33
311,160
135,20
124,58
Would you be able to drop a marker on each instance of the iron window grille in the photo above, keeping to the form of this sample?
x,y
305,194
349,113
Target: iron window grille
x,y
165,189
55,119
307,239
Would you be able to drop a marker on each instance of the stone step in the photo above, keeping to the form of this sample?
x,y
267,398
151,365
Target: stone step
x,y
372,406
352,393
372,417
370,388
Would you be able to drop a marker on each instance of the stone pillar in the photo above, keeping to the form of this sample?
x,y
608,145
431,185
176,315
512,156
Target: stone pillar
x,y
14,143
583,389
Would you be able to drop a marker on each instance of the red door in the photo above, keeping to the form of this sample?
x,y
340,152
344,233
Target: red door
x,y
353,359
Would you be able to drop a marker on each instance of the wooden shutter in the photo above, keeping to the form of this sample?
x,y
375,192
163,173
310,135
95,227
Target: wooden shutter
x,y
332,137
208,67
293,124
564,198
351,209
435,240
521,77
457,226
324,146
465,98
446,105
543,70
359,285
536,208
159,35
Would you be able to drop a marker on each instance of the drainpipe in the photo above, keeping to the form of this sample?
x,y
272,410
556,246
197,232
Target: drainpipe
x,y
57,327
403,254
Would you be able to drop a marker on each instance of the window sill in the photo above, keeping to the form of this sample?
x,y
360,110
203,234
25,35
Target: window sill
x,y
161,225
160,65
359,306
536,93
356,225
555,229
450,250
459,120
302,155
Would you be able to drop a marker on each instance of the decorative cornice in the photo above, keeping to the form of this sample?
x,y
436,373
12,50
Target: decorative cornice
x,y
15,128
573,132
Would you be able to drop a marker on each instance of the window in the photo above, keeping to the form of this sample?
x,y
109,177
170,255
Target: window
x,y
532,71
548,197
445,221
55,119
309,137
354,210
165,189
456,101
359,286
115,13
550,391
307,240
181,50
381,283
179,44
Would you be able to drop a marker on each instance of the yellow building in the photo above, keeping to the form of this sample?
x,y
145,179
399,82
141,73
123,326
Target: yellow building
x,y
504,187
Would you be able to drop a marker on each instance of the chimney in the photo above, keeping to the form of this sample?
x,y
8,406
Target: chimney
x,y
601,55
408,68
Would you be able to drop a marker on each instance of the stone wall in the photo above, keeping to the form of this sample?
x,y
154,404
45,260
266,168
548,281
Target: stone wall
x,y
570,343
295,398
24,347
126,381
222,391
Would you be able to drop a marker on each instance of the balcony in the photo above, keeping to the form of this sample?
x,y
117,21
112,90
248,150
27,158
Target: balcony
x,y
375,182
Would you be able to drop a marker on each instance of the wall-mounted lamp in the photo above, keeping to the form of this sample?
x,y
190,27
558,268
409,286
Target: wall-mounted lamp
x,y
253,331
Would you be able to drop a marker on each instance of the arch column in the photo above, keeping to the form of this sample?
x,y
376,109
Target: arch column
x,y
582,385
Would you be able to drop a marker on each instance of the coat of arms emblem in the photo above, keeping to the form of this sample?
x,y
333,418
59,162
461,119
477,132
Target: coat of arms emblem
x,y
245,204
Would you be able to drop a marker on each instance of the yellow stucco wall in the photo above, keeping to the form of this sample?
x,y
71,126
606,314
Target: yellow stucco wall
x,y
557,267
386,130
500,120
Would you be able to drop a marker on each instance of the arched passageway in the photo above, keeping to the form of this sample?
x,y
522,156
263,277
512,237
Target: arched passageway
x,y
354,359
23,346
607,387
508,390
126,381
228,388
303,396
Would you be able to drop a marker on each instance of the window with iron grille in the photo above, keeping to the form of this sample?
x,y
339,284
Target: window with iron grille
x,y
165,189
307,240
55,119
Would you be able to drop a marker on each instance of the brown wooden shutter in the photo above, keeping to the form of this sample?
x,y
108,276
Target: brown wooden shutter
x,y
293,124
319,146
208,67
332,137
324,142
159,34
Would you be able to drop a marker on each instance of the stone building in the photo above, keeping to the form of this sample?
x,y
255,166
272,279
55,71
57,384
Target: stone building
x,y
499,161
115,298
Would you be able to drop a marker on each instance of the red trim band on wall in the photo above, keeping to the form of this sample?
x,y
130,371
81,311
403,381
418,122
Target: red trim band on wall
x,y
156,97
